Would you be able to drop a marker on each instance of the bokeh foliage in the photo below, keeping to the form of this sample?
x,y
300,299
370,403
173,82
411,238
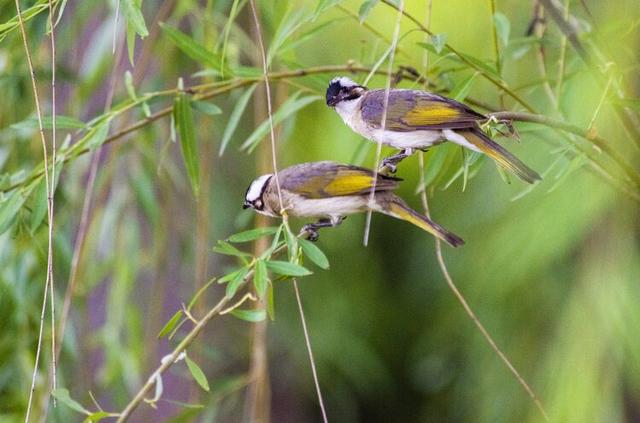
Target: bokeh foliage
x,y
551,270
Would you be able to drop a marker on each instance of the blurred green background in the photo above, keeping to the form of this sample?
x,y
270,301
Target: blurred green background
x,y
551,270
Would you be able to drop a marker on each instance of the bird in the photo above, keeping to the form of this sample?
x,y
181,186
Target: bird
x,y
417,120
330,191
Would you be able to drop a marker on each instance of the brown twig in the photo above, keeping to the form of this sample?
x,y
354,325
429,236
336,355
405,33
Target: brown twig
x,y
461,299
49,277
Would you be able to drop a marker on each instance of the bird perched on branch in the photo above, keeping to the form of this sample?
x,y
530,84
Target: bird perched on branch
x,y
331,191
416,120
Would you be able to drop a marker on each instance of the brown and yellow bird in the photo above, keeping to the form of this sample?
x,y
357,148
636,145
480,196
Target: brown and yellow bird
x,y
416,120
331,191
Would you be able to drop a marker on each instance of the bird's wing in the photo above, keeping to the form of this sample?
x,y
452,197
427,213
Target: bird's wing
x,y
329,179
410,110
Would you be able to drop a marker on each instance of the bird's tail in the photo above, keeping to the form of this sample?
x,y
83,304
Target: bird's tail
x,y
400,210
501,156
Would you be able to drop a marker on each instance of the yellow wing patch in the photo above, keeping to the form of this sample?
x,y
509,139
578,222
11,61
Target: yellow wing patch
x,y
430,114
350,183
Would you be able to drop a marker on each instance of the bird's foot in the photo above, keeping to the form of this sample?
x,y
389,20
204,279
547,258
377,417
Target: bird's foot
x,y
388,166
311,231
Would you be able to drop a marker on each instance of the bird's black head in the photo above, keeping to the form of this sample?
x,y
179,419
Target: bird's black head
x,y
343,89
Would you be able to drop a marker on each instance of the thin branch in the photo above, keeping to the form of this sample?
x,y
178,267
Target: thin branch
x,y
51,191
588,134
49,276
265,74
383,120
469,311
464,59
310,351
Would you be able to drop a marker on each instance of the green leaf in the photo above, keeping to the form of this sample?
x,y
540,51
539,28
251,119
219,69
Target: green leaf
x,y
192,48
260,278
324,5
128,83
271,306
252,234
286,268
232,275
9,208
168,327
229,250
434,164
133,15
462,88
292,105
206,107
438,41
39,209
98,415
234,118
62,122
365,9
314,253
96,135
183,116
62,395
197,373
503,27
235,282
252,316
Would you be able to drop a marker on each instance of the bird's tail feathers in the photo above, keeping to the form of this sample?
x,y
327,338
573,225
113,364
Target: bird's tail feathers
x,y
398,209
500,155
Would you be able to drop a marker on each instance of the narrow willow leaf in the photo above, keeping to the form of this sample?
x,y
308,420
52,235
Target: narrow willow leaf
x,y
39,209
62,122
185,125
314,253
435,163
252,316
206,107
286,268
197,373
131,43
365,9
96,136
309,35
260,278
128,83
192,48
133,15
9,209
271,304
234,118
461,90
98,415
234,284
292,243
168,327
232,275
252,234
438,41
503,27
288,108
229,250
324,5
63,396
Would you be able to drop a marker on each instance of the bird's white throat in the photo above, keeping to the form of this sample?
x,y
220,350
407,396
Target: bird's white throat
x,y
349,112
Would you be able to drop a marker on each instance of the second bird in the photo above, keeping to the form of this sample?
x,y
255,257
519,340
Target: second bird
x,y
416,120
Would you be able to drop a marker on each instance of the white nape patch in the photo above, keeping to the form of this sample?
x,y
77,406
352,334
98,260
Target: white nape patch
x,y
344,82
255,189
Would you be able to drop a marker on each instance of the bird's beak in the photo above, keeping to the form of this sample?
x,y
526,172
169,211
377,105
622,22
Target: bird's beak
x,y
331,102
245,205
